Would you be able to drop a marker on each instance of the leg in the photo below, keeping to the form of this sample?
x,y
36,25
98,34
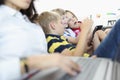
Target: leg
x,y
101,34
107,30
96,41
109,46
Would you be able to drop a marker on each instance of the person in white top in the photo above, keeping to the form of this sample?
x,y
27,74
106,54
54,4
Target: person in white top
x,y
22,42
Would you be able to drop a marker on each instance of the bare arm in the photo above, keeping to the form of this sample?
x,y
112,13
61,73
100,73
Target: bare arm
x,y
85,28
72,40
40,62
101,34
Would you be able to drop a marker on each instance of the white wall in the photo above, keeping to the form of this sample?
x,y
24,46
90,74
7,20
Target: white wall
x,y
82,8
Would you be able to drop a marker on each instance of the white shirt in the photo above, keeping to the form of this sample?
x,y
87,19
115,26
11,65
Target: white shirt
x,y
69,32
19,37
10,69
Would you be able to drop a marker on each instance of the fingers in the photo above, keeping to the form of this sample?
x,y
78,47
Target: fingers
x,y
58,60
74,66
87,24
94,56
70,67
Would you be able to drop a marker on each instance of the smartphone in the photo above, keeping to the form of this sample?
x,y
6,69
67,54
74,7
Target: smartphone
x,y
99,27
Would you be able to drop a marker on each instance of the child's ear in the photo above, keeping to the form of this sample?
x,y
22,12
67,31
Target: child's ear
x,y
52,25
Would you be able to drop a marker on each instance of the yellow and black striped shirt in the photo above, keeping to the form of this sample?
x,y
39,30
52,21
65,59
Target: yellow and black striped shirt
x,y
57,43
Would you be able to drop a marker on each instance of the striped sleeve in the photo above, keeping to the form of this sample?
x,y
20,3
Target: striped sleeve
x,y
56,44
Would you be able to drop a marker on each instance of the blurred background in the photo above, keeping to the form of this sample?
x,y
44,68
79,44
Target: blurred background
x,y
101,11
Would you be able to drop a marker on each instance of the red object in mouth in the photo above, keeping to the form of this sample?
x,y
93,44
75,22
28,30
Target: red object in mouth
x,y
76,31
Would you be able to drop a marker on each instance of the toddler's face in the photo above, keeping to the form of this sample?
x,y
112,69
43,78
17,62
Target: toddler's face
x,y
72,22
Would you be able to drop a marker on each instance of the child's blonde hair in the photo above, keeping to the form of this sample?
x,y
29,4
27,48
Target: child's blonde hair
x,y
45,18
60,11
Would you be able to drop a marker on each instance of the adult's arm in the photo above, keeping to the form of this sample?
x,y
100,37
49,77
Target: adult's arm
x,y
85,29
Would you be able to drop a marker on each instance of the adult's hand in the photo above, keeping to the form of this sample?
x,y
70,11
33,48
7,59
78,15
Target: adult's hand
x,y
53,60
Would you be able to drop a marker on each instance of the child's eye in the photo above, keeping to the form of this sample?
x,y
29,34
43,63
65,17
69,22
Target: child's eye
x,y
75,23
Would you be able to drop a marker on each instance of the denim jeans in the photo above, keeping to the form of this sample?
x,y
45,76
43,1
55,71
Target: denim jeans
x,y
110,46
